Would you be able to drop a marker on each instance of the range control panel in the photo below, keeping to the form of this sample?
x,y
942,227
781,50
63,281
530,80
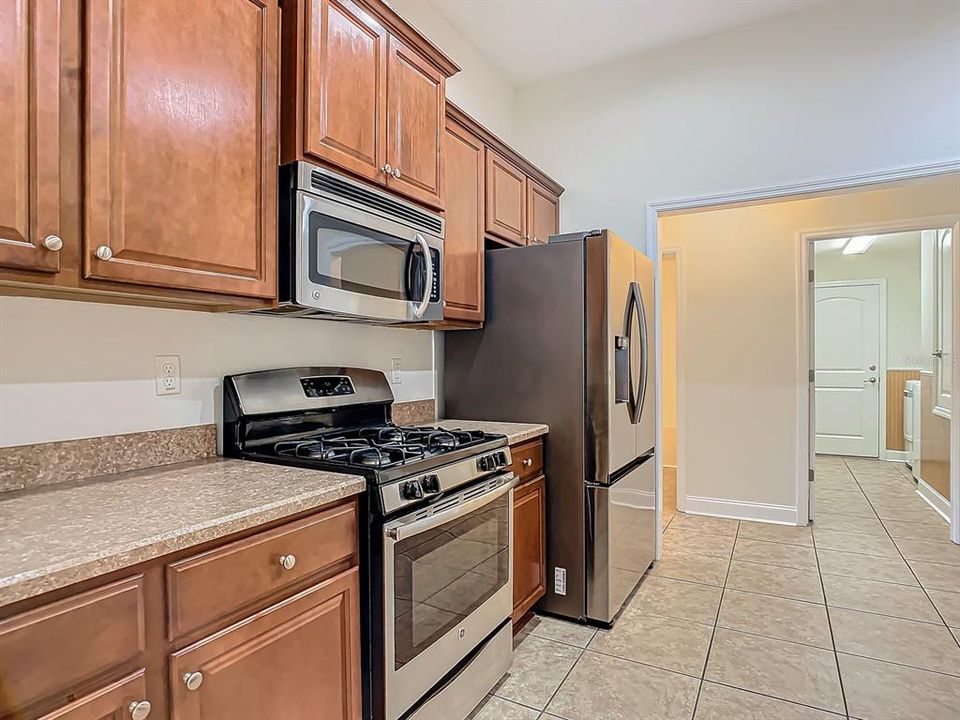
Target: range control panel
x,y
414,489
327,386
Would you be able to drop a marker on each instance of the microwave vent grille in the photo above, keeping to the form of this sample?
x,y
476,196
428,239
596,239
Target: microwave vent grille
x,y
394,209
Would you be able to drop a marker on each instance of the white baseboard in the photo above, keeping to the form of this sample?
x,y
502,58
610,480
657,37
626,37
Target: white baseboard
x,y
740,510
896,455
934,499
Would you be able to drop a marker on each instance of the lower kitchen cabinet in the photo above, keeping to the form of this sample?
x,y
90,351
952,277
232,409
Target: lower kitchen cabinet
x,y
529,553
238,628
122,700
297,660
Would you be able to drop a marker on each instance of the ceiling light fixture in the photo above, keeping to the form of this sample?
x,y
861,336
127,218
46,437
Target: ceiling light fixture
x,y
859,244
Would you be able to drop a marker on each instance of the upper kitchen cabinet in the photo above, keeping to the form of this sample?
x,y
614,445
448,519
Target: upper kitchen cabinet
x,y
30,68
463,172
180,144
543,212
506,199
363,91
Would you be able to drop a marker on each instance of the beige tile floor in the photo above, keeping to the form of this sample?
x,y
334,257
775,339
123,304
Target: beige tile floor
x,y
857,616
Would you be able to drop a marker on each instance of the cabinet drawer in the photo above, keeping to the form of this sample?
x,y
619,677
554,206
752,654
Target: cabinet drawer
x,y
211,586
51,649
527,459
107,703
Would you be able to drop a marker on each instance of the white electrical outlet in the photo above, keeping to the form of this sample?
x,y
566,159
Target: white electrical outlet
x,y
396,367
168,374
559,581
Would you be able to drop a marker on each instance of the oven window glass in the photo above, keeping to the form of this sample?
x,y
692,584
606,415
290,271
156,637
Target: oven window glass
x,y
355,258
444,574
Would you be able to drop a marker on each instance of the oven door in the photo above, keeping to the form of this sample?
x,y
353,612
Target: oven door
x,y
448,584
356,263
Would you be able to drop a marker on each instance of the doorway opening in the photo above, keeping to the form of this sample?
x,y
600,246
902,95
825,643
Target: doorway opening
x,y
881,369
670,310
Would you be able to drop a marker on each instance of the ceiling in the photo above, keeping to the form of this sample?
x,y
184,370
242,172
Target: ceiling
x,y
530,40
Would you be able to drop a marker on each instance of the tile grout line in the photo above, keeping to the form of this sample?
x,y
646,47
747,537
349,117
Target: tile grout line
x,y
907,563
826,609
716,621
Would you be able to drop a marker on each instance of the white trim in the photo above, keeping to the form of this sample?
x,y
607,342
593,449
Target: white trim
x,y
934,499
955,423
740,510
881,284
802,188
900,456
813,187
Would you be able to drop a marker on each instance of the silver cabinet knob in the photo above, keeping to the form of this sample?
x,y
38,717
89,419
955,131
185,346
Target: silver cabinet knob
x,y
53,243
104,252
396,172
193,680
527,462
870,380
386,168
139,709
287,562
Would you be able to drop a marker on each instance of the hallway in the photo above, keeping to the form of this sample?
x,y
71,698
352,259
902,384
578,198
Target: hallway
x,y
857,616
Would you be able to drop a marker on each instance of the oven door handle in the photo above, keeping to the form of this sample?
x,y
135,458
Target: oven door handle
x,y
428,284
400,530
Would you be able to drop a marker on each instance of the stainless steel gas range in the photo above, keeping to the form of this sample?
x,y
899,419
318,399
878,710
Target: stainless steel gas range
x,y
436,571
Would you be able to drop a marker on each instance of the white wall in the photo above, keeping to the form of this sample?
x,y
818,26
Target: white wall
x,y
838,90
739,362
72,369
895,259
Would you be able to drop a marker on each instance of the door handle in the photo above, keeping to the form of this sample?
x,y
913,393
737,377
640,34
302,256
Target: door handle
x,y
937,353
870,380
428,283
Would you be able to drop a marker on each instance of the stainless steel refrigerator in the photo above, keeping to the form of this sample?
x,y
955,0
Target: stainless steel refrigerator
x,y
568,340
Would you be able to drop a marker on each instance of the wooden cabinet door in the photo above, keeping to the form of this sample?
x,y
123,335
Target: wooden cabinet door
x,y
296,660
463,165
543,213
506,199
181,144
529,546
29,133
114,702
344,75
415,112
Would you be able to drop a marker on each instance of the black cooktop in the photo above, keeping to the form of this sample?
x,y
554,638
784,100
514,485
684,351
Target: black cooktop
x,y
381,447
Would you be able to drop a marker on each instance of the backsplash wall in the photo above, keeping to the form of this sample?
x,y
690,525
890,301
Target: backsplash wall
x,y
73,369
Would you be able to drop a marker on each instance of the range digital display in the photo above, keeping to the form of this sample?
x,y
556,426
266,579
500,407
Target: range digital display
x,y
327,386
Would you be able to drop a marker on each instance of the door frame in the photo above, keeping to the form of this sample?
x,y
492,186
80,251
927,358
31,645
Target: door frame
x,y
783,192
681,485
881,284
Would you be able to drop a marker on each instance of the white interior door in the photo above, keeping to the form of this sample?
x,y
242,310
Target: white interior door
x,y
847,352
942,370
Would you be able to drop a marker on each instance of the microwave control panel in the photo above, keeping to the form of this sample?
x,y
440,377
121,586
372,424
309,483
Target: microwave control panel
x,y
435,288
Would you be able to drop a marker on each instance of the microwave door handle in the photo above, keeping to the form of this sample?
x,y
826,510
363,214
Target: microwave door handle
x,y
428,285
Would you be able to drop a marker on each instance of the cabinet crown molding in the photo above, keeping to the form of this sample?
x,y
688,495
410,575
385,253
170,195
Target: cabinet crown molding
x,y
460,116
402,29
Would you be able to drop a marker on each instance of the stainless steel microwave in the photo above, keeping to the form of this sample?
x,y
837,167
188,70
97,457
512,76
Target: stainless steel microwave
x,y
352,252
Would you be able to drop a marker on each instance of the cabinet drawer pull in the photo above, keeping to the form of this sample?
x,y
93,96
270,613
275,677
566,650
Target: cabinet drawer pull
x,y
193,680
527,462
53,243
139,709
287,562
104,252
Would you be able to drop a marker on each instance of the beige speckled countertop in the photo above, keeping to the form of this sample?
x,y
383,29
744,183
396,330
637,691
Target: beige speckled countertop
x,y
515,432
61,534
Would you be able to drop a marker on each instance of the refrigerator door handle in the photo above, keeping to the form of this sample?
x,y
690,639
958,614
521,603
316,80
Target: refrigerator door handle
x,y
644,350
635,394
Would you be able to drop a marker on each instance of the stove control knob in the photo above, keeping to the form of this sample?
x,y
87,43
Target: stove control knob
x,y
485,463
502,458
430,483
411,490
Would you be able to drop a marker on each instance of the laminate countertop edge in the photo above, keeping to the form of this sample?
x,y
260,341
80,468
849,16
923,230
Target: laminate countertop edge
x,y
64,534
